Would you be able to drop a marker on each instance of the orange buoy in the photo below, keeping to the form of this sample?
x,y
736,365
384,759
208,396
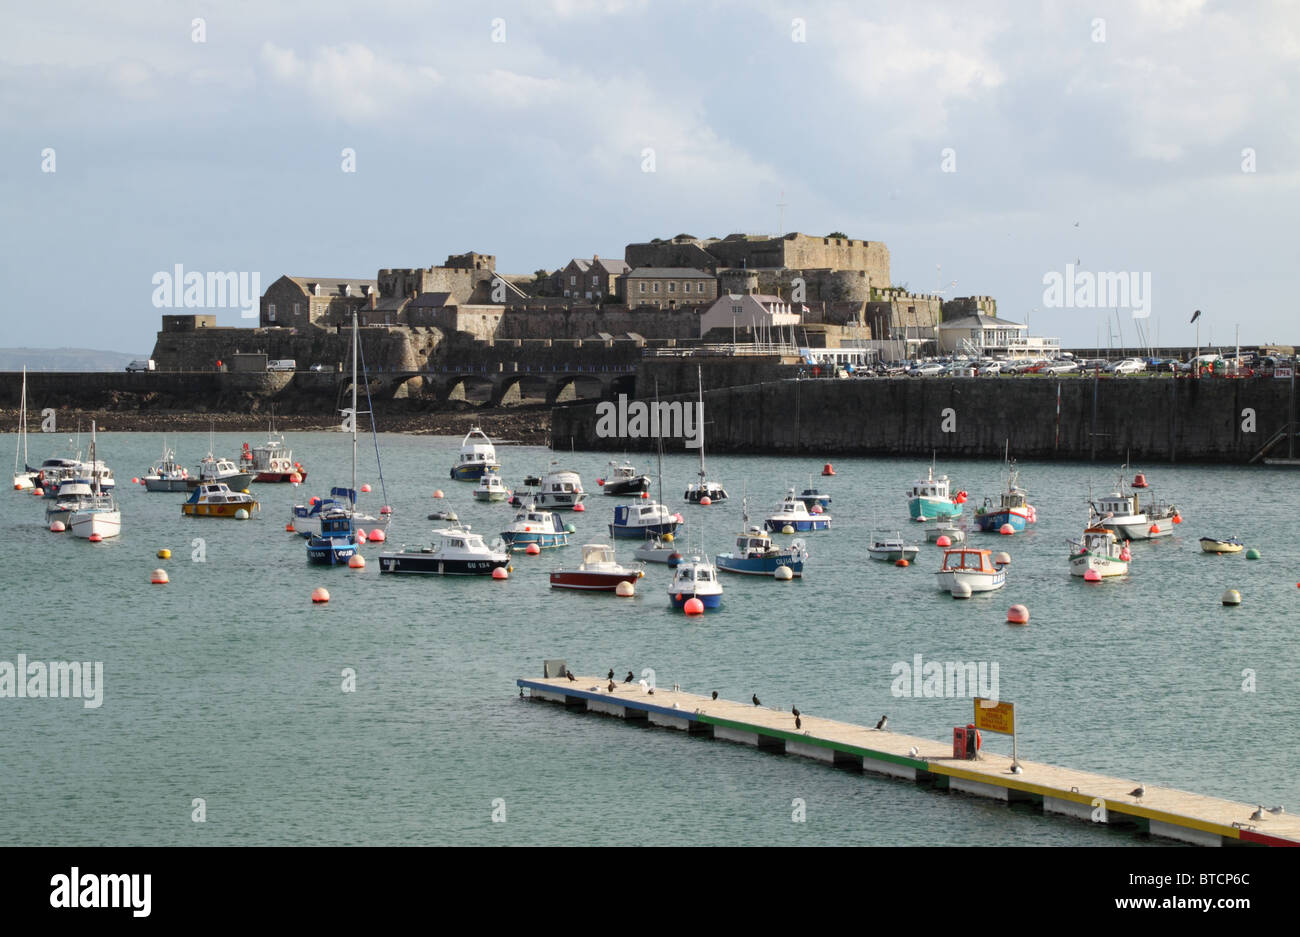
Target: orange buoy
x,y
693,606
903,563
135,481
1018,615
438,493
313,500
289,527
95,538
356,561
58,527
600,482
827,469
158,577
1178,518
386,510
1153,529
500,573
295,478
705,501
943,541
532,549
38,492
579,508
361,535
816,509
1092,576
644,495
377,536
1125,555
1006,530
320,595
1140,481
365,489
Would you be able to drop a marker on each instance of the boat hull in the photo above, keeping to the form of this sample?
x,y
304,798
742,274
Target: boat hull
x,y
519,540
218,510
329,552
84,524
429,565
693,495
281,476
156,483
559,501
665,553
491,496
978,582
1102,565
992,521
954,534
234,482
1141,530
930,508
584,581
627,486
642,532
1210,545
800,524
471,472
894,554
708,599
757,566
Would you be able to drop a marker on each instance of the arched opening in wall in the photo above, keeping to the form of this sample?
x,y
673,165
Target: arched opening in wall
x,y
577,387
470,388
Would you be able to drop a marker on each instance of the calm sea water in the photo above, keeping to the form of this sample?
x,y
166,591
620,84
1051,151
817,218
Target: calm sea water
x,y
226,684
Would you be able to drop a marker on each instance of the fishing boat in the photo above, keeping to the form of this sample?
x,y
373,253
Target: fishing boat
x,y
1121,512
24,478
932,497
212,469
1214,545
1012,507
623,480
454,551
477,455
598,571
272,461
964,566
696,492
216,499
99,517
892,549
57,470
695,578
558,490
639,520
71,495
756,555
945,528
490,487
166,474
794,514
530,525
1099,550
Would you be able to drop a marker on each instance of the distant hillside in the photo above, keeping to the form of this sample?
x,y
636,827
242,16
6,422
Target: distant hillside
x,y
65,359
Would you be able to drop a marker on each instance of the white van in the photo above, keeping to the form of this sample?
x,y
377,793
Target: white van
x,y
141,365
282,364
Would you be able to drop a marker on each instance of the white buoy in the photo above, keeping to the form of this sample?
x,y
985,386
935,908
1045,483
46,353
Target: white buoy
x,y
625,589
241,515
1232,597
783,574
158,577
960,590
787,529
1002,559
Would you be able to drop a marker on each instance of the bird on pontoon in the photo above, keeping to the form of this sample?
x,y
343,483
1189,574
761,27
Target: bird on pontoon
x,y
884,721
755,699
1139,791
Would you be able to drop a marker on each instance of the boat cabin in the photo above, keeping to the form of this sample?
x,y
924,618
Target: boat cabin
x,y
968,560
594,554
1117,505
754,544
694,572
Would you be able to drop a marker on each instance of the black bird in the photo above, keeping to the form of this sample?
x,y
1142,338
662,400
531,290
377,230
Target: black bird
x,y
651,691
795,710
1196,315
1138,791
797,723
611,686
611,673
715,694
569,674
884,721
628,678
756,702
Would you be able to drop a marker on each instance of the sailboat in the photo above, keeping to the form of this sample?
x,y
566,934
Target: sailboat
x,y
697,492
25,479
336,540
659,547
98,518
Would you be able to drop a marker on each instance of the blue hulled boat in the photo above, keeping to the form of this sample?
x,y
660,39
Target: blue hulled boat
x,y
757,555
639,520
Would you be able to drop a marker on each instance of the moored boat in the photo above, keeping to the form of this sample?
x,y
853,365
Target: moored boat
x,y
975,569
98,517
212,469
892,549
71,495
695,578
1122,512
490,487
623,479
1215,545
811,497
945,528
530,525
598,571
454,551
756,555
658,549
166,474
932,497
696,492
216,499
272,461
1012,508
477,455
640,519
558,490
794,514
24,478
1098,550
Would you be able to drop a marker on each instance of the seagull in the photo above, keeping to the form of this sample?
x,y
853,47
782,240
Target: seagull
x,y
569,674
912,751
611,673
715,694
795,710
628,678
1270,809
1258,814
651,691
611,686
1138,791
798,724
884,721
756,702
1196,315
1016,769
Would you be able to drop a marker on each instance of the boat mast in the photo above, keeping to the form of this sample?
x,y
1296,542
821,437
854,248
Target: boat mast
x,y
22,425
353,497
660,440
699,380
94,473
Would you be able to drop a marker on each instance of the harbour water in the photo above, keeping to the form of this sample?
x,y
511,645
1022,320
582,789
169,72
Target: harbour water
x,y
227,683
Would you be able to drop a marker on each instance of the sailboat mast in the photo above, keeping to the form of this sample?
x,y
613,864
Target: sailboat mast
x,y
699,380
24,426
659,439
94,474
354,409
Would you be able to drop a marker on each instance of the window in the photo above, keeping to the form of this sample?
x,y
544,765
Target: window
x,y
654,288
595,280
642,287
297,309
672,287
270,312
686,287
573,279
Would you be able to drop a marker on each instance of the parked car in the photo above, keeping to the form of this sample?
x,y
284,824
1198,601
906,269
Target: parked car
x,y
992,369
929,369
1128,366
1060,367
147,365
1200,361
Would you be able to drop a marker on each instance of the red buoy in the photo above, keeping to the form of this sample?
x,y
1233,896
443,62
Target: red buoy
x,y
580,508
827,469
1140,481
320,595
532,549
693,606
1018,615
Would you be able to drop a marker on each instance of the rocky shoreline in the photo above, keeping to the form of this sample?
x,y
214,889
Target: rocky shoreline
x,y
527,425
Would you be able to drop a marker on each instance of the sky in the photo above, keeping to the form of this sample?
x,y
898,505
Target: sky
x,y
995,148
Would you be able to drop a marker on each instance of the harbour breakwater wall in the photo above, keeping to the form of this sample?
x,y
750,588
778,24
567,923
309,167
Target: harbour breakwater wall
x,y
1147,419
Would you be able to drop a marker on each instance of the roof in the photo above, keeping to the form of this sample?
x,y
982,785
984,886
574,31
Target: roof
x,y
581,264
669,273
333,283
981,321
615,267
433,299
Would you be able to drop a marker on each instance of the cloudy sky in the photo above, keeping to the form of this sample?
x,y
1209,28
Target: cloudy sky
x,y
988,145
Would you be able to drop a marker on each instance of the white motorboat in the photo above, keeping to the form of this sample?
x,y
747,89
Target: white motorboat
x,y
892,549
1098,550
794,514
696,492
1122,512
490,487
99,518
455,551
477,455
695,578
975,569
558,490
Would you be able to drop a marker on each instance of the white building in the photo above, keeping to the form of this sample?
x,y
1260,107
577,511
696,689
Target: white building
x,y
763,315
980,334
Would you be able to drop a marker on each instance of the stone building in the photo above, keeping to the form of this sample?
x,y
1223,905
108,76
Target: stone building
x,y
595,280
667,287
756,314
299,302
